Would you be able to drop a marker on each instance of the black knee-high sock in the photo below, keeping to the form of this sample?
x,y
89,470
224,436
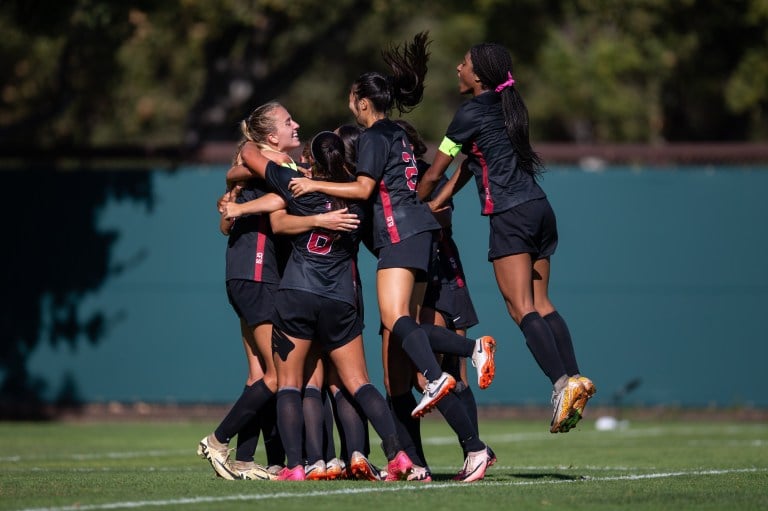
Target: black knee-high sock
x,y
408,428
248,439
563,340
329,444
375,408
272,443
451,364
290,422
314,424
457,419
351,424
542,345
245,408
467,399
442,340
416,345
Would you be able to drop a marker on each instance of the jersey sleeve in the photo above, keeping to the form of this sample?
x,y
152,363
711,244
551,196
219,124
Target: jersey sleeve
x,y
278,178
462,130
372,154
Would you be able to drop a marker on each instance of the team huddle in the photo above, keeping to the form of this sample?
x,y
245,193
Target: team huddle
x,y
294,231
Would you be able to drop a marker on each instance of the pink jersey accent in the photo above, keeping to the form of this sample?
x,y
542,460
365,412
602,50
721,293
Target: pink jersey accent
x,y
488,204
389,216
261,241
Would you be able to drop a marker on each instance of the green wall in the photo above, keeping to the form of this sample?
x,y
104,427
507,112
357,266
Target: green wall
x,y
660,273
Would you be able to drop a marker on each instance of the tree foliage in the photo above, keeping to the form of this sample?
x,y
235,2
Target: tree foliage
x,y
149,72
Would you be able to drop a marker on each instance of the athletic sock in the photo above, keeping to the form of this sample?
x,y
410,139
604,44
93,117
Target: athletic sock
x,y
329,445
541,343
563,340
442,340
248,439
375,408
350,423
245,408
467,399
314,423
416,345
457,419
273,445
290,422
408,428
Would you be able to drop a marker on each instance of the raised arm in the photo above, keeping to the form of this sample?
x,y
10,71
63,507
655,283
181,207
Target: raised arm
x,y
360,189
239,173
254,160
338,220
433,174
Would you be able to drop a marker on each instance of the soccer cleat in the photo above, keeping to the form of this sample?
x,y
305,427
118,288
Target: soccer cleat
x,y
588,385
589,391
475,465
419,473
334,469
316,471
565,413
217,455
483,360
361,468
248,471
491,456
274,470
435,390
399,466
292,474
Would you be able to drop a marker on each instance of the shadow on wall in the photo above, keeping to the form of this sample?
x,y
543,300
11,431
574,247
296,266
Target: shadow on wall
x,y
54,256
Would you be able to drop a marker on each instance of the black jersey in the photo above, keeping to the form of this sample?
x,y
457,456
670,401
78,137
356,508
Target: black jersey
x,y
384,154
322,262
253,250
478,127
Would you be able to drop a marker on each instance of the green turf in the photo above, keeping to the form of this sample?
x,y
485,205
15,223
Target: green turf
x,y
147,466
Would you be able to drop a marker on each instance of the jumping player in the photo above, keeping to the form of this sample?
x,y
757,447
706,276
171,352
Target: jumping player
x,y
491,129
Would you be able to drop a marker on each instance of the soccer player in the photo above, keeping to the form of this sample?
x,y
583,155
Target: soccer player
x,y
404,232
253,270
491,129
317,302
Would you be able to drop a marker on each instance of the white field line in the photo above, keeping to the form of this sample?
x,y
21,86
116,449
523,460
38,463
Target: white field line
x,y
382,488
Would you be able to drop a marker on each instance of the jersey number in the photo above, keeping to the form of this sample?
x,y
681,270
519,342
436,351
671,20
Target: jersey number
x,y
411,172
319,243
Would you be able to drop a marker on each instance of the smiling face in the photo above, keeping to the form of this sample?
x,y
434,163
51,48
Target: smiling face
x,y
286,132
468,80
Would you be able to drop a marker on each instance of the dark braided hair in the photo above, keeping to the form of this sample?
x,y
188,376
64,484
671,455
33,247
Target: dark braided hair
x,y
405,87
492,64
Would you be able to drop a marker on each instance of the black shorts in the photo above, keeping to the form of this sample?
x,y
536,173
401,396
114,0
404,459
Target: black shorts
x,y
254,302
417,253
529,228
453,303
332,323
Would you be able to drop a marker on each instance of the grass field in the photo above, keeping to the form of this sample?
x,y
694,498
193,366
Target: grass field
x,y
647,465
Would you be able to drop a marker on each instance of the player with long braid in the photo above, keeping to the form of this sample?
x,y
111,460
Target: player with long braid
x,y
491,129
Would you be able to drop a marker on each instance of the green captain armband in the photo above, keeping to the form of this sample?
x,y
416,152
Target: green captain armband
x,y
449,147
